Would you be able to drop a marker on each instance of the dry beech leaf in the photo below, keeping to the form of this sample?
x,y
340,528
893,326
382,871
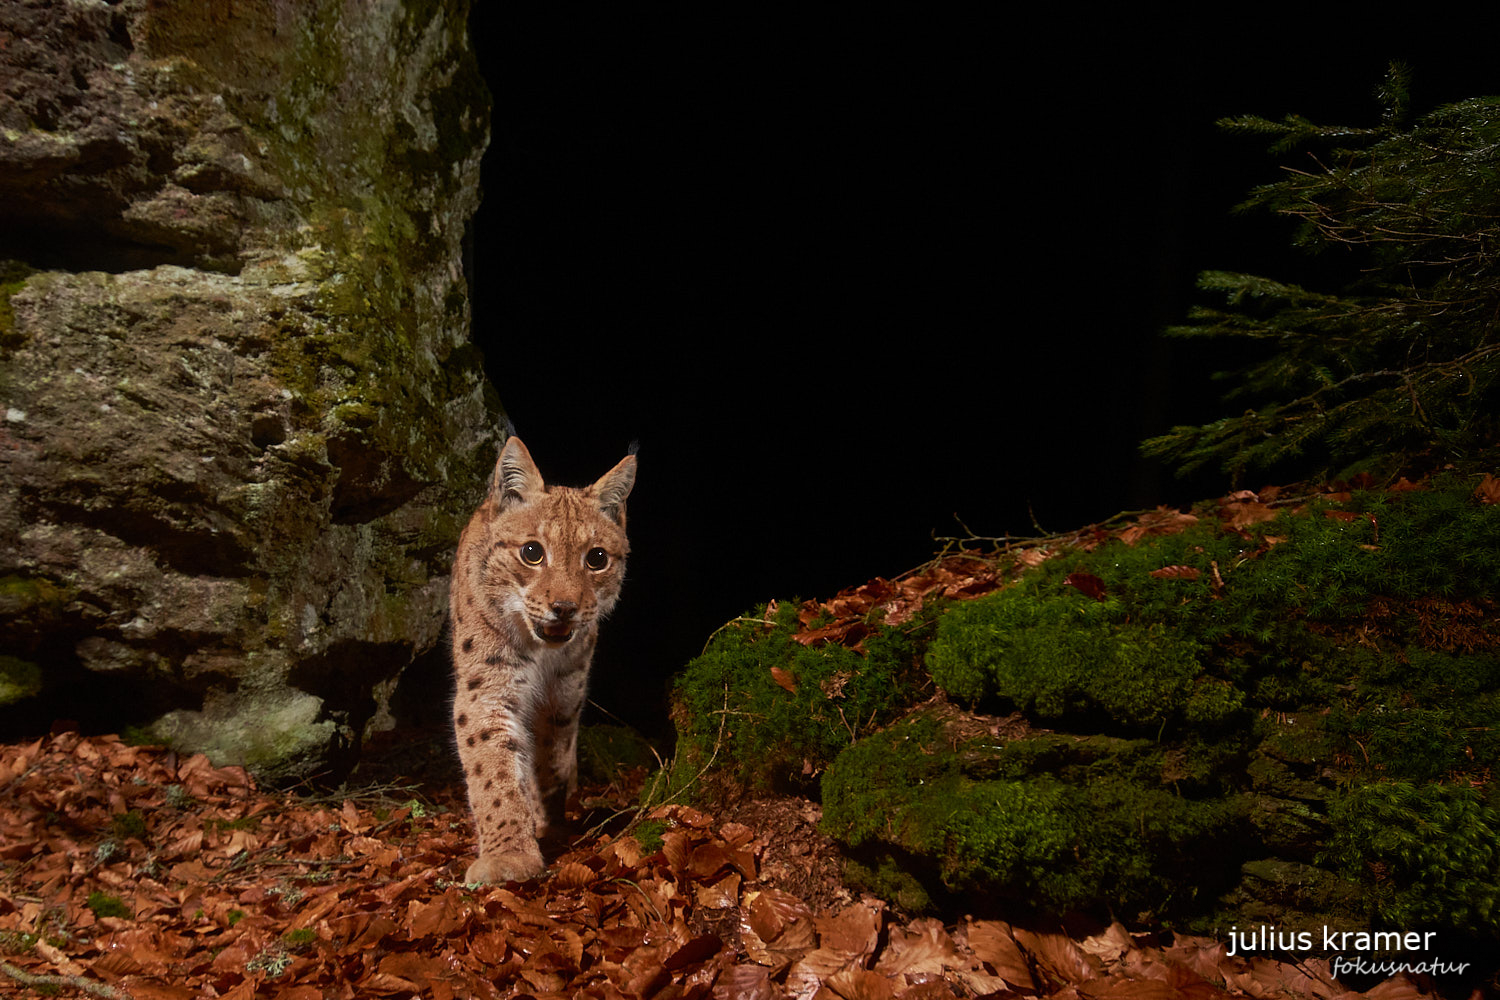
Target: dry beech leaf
x,y
626,849
1087,583
721,895
1177,573
1033,557
845,940
861,984
677,848
709,860
574,875
781,921
690,817
784,678
992,944
853,932
745,982
1162,521
1057,955
1243,515
922,948
1110,944
699,949
1132,989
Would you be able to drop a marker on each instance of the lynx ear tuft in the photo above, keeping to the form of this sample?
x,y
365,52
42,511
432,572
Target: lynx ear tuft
x,y
516,480
612,489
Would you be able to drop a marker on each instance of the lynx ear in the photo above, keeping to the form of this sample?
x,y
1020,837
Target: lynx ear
x,y
516,480
612,489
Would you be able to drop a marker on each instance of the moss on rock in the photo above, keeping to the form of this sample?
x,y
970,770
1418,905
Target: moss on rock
x,y
1073,832
19,679
774,711
1239,698
247,420
1424,855
1053,655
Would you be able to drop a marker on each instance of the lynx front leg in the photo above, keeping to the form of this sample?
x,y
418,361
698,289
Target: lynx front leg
x,y
557,747
495,749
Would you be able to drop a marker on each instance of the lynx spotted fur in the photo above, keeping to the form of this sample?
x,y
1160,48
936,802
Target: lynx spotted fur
x,y
537,568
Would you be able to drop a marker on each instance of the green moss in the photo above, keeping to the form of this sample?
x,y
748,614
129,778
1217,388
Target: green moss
x,y
137,736
13,276
1100,838
105,905
128,825
1425,855
241,823
32,596
1211,733
648,834
299,938
1215,706
883,876
1056,655
734,701
16,942
19,679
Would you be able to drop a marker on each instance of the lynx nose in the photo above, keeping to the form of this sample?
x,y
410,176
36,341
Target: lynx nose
x,y
564,609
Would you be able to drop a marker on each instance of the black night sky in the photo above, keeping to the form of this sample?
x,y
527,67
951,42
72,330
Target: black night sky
x,y
845,280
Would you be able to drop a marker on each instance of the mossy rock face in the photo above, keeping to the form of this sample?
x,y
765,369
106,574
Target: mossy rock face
x,y
1099,826
242,422
19,680
1053,656
773,712
1293,896
1293,720
1426,855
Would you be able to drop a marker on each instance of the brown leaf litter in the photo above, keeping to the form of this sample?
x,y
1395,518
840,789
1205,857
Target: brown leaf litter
x,y
132,872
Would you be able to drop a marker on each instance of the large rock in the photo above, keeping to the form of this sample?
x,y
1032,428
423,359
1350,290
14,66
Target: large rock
x,y
241,422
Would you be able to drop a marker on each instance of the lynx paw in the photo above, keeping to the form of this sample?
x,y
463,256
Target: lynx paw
x,y
507,866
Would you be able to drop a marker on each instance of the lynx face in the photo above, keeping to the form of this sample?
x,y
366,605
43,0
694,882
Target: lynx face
x,y
552,567
536,570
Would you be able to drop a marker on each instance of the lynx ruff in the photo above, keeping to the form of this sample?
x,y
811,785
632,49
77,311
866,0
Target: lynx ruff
x,y
537,568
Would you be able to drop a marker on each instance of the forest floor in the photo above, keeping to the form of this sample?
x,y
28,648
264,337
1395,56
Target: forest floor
x,y
133,872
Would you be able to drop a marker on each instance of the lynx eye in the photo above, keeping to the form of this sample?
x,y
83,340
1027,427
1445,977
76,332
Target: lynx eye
x,y
596,559
532,553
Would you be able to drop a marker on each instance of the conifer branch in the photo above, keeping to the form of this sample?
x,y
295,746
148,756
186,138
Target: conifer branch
x,y
1404,358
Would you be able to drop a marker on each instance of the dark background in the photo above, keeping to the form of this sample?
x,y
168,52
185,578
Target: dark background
x,y
845,280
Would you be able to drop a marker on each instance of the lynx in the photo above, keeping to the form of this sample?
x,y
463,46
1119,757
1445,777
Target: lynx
x,y
537,568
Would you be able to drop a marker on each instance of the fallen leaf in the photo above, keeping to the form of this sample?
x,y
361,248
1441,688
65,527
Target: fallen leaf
x,y
1177,573
699,949
992,944
1087,583
1057,956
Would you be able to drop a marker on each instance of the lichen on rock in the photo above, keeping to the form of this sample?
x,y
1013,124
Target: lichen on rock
x,y
243,418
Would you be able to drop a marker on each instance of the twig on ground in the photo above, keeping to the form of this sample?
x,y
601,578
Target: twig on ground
x,y
77,982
